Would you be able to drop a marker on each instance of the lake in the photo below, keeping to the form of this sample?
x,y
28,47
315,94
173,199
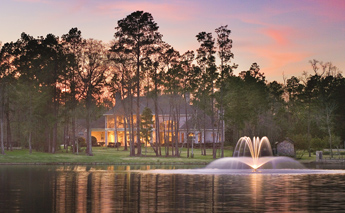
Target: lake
x,y
29,188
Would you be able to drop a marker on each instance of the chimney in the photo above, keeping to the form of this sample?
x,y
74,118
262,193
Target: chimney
x,y
117,97
187,97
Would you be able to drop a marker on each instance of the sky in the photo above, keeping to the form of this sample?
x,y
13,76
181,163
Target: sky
x,y
281,36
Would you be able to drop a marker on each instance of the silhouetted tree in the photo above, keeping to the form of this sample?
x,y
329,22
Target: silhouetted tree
x,y
137,32
72,43
206,61
224,44
92,73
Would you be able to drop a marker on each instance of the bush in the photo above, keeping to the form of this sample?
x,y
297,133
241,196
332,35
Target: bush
x,y
94,141
318,143
336,141
81,142
301,141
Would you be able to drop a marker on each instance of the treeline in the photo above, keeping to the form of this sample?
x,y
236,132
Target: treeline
x,y
48,83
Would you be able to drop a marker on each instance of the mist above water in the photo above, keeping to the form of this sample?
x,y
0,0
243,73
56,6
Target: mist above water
x,y
254,154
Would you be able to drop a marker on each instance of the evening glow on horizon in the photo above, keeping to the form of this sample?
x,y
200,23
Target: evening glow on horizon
x,y
281,36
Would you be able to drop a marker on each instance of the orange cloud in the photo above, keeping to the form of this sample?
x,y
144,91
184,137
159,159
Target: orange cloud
x,y
274,62
280,53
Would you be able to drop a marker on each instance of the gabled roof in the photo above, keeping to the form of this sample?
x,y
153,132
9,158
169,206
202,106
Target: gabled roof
x,y
164,102
287,140
198,121
99,123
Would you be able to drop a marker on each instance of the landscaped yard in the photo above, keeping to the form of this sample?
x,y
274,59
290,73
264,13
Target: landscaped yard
x,y
105,155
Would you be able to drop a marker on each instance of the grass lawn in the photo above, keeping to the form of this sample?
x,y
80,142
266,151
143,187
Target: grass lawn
x,y
103,155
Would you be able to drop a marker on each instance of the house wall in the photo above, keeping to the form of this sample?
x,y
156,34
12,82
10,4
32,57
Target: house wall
x,y
108,135
285,149
99,135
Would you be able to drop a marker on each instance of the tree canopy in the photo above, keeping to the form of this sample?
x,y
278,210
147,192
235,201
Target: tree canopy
x,y
48,83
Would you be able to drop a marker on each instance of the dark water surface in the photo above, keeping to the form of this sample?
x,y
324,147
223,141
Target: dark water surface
x,y
120,189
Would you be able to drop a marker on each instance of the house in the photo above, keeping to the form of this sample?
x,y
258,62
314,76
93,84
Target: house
x,y
286,148
172,112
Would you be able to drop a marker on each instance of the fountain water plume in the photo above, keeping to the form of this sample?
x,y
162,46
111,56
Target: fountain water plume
x,y
255,147
255,154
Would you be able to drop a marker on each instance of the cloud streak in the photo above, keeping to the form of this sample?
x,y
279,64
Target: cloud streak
x,y
279,35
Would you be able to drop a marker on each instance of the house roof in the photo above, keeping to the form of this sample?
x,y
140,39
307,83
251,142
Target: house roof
x,y
99,123
287,140
196,116
198,121
95,124
164,103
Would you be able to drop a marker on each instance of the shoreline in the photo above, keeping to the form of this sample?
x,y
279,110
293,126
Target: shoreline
x,y
103,163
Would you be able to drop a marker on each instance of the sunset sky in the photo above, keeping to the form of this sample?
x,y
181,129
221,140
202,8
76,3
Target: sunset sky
x,y
280,35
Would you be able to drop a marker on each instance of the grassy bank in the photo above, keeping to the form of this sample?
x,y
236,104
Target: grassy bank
x,y
104,155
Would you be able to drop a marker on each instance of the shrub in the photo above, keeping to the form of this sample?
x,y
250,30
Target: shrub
x,y
94,141
318,143
81,142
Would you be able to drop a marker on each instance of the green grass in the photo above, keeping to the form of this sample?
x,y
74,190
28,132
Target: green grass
x,y
306,157
104,155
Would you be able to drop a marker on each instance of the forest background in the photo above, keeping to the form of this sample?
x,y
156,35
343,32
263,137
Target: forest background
x,y
49,82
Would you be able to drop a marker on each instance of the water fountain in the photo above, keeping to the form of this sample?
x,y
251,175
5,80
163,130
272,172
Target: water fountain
x,y
254,154
258,181
251,156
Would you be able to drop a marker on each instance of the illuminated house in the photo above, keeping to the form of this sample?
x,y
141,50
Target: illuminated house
x,y
108,130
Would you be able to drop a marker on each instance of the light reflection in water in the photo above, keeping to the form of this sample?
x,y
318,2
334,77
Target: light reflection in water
x,y
112,189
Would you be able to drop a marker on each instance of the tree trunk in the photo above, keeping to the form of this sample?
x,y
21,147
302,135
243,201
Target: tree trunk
x,y
164,136
308,138
138,99
74,141
158,142
88,133
157,125
125,129
115,131
223,133
212,123
30,147
329,130
169,132
2,134
187,132
54,137
1,118
8,123
204,152
65,135
177,132
132,149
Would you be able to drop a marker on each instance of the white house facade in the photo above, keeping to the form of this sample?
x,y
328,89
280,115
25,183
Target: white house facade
x,y
115,126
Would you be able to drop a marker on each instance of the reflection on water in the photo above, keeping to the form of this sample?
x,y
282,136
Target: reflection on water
x,y
118,188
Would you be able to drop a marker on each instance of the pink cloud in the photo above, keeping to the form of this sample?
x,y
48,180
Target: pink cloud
x,y
273,60
279,36
330,11
78,5
277,51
